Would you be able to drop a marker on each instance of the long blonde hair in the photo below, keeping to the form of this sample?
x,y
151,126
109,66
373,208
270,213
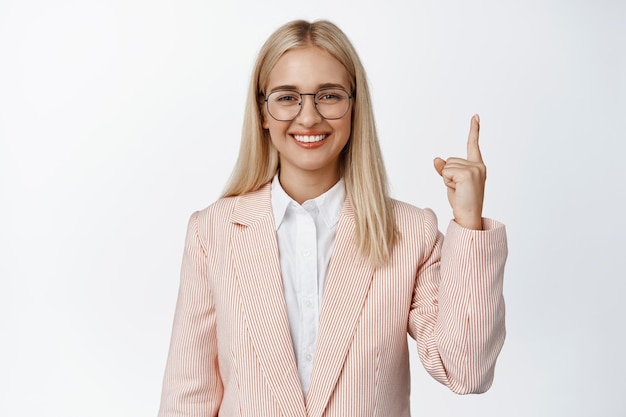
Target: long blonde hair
x,y
361,160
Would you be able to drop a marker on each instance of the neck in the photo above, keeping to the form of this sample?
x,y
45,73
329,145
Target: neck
x,y
302,187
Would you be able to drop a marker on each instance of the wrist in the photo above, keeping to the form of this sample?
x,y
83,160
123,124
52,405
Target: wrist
x,y
471,222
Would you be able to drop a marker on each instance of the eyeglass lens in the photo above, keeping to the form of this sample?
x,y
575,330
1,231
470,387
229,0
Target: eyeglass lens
x,y
331,103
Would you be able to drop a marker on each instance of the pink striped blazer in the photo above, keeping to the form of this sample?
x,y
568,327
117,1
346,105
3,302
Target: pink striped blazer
x,y
231,352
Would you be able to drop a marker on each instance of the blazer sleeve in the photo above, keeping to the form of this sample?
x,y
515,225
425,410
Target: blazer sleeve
x,y
457,311
192,384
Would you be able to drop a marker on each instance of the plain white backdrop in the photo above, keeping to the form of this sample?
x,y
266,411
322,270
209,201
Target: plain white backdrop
x,y
120,118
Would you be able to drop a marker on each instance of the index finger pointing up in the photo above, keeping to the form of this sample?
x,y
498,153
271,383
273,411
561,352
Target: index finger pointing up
x,y
473,151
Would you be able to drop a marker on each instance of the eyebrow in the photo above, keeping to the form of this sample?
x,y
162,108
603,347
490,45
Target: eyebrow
x,y
319,87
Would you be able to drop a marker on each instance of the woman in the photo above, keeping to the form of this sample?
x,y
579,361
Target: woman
x,y
299,285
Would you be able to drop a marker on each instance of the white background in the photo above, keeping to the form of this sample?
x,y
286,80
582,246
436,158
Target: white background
x,y
120,118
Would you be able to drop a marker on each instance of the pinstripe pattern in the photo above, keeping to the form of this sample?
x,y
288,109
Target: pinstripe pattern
x,y
231,351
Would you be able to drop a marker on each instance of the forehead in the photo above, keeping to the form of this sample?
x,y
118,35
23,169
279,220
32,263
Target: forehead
x,y
306,69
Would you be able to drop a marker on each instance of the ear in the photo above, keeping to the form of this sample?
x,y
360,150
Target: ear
x,y
264,117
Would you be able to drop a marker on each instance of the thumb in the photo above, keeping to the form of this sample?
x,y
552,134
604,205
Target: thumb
x,y
439,164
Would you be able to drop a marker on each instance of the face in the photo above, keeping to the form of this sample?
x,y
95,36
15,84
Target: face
x,y
309,145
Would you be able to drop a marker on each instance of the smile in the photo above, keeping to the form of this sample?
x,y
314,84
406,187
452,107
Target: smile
x,y
309,138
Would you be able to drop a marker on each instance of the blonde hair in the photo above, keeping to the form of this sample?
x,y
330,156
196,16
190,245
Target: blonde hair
x,y
361,160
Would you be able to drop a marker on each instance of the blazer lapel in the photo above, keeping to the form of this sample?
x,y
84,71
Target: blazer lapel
x,y
347,284
257,266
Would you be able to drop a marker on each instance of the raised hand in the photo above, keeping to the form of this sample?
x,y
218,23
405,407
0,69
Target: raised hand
x,y
465,179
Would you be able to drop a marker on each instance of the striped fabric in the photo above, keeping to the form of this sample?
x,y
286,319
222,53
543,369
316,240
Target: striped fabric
x,y
231,352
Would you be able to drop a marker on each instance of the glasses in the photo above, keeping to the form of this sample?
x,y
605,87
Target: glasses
x,y
330,103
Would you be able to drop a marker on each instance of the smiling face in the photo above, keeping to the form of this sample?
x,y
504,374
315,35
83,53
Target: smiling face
x,y
309,146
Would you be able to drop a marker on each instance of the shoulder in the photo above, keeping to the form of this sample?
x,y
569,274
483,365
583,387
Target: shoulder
x,y
417,228
218,210
408,215
241,209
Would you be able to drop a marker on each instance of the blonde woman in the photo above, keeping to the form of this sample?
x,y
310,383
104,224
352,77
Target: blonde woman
x,y
298,287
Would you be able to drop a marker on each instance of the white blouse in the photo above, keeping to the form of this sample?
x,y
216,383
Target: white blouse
x,y
306,234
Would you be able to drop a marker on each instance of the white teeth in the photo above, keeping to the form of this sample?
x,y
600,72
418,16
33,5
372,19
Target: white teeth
x,y
309,139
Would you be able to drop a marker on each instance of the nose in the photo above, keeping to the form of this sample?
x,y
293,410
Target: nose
x,y
308,115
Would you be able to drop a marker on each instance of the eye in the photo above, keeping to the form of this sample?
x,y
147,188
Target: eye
x,y
331,96
285,97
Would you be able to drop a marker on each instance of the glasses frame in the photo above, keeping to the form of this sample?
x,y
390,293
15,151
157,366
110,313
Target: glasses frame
x,y
314,95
